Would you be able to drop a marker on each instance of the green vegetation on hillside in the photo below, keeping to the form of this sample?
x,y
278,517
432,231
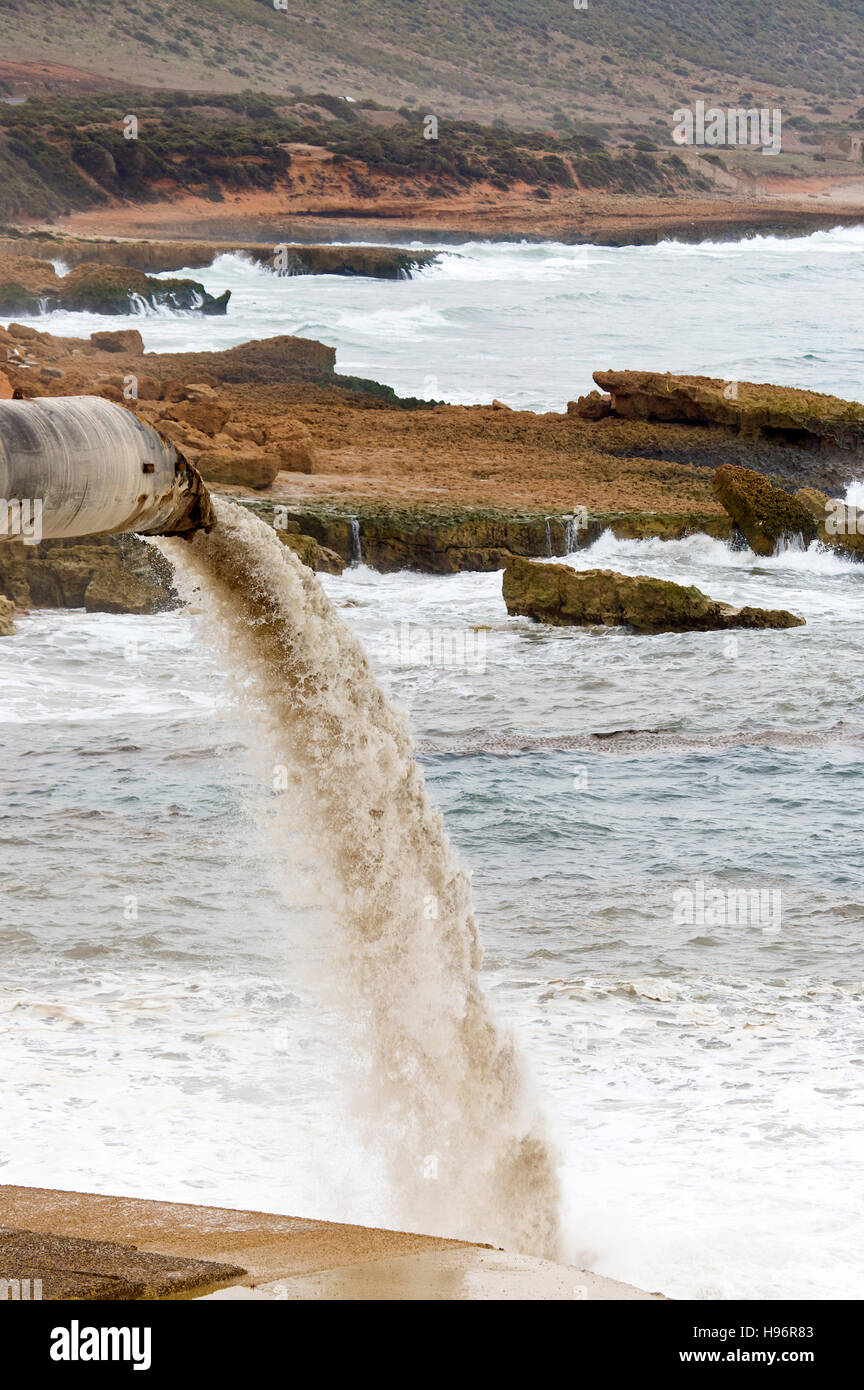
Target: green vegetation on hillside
x,y
58,154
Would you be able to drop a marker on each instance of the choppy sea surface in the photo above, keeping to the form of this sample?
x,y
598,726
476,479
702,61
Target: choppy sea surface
x,y
529,323
665,833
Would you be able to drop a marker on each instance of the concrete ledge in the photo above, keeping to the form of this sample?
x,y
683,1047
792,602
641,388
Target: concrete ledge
x,y
38,1265
469,1274
270,1257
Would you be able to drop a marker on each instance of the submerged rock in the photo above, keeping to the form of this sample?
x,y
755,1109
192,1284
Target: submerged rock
x,y
763,514
565,597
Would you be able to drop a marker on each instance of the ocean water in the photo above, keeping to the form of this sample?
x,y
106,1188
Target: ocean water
x,y
529,323
169,1021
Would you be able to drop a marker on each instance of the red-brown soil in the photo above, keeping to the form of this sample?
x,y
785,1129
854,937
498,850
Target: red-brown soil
x,y
325,209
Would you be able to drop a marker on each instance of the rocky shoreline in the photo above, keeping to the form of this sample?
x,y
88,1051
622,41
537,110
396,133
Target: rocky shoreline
x,y
437,540
29,287
157,256
104,574
118,277
344,469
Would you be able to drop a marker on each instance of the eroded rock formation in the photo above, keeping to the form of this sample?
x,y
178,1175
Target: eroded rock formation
x,y
750,408
764,515
800,436
7,615
28,287
105,574
840,523
564,597
377,262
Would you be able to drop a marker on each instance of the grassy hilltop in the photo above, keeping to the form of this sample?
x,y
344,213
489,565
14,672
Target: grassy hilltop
x,y
522,60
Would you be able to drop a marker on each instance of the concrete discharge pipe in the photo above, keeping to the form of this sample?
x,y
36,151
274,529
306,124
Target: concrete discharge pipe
x,y
93,468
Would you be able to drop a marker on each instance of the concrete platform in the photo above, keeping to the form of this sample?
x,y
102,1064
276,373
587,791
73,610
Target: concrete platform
x,y
260,1256
472,1273
40,1265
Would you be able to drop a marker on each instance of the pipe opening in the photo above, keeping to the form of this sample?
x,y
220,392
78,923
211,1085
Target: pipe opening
x,y
81,458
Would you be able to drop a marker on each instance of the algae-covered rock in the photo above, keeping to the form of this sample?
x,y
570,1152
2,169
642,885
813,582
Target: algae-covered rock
x,y
746,406
316,556
29,286
15,298
25,284
381,262
100,289
763,514
841,523
564,597
7,614
436,540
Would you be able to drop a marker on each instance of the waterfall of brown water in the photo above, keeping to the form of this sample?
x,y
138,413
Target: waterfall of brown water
x,y
448,1094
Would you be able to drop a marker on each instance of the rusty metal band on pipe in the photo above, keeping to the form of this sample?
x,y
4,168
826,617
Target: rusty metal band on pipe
x,y
95,469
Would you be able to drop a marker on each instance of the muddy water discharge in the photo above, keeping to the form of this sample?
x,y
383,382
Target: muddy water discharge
x,y
447,1094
